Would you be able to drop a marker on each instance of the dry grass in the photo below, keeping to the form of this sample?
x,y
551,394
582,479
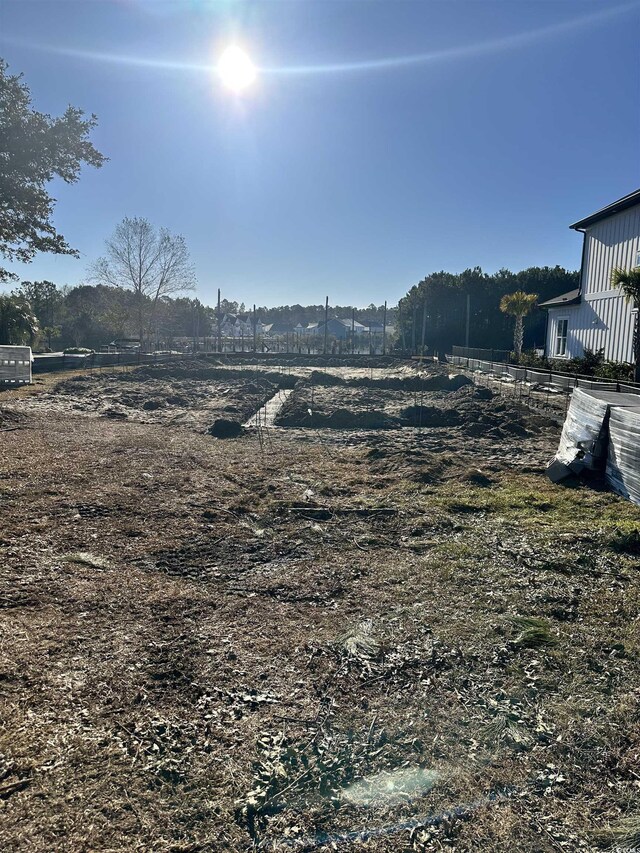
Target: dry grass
x,y
190,662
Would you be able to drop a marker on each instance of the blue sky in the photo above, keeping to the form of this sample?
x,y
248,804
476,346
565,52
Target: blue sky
x,y
516,119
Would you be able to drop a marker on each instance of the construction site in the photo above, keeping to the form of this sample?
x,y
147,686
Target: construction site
x,y
311,603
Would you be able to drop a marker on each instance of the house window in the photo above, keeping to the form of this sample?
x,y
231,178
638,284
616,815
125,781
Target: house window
x,y
561,337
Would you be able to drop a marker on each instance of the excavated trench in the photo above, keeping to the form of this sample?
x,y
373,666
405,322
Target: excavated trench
x,y
265,417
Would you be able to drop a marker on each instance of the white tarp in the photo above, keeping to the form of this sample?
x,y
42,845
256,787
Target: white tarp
x,y
623,460
585,434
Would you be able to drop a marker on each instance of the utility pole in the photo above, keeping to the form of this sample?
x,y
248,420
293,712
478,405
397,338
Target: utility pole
x,y
254,327
353,330
413,330
384,329
196,330
219,325
424,324
466,336
326,322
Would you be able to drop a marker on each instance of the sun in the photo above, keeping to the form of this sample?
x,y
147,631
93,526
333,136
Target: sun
x,y
235,69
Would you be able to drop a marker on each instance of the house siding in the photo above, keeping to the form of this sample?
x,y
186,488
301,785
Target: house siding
x,y
613,242
603,319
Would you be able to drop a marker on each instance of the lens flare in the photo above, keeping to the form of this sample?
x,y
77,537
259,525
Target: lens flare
x,y
235,69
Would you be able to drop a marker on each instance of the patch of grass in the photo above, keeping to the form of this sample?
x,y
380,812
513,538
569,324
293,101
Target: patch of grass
x,y
84,558
623,835
532,501
455,549
533,632
625,541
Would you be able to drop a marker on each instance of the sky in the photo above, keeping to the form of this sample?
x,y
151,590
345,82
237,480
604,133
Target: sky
x,y
382,139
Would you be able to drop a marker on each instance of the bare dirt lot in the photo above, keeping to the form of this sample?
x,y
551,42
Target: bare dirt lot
x,y
308,639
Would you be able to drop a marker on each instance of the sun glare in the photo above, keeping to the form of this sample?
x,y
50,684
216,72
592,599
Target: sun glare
x,y
236,71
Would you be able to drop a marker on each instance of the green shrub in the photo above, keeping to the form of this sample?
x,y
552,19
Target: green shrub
x,y
530,358
615,370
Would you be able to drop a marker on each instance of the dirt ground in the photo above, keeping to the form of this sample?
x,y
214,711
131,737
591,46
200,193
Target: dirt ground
x,y
308,639
187,395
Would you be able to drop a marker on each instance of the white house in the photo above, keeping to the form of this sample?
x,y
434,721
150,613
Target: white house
x,y
237,326
596,316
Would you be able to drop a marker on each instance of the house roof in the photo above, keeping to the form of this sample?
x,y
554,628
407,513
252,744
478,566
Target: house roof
x,y
616,207
572,297
347,322
280,328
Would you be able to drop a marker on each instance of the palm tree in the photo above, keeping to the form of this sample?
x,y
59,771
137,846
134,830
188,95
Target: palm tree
x,y
18,323
518,304
629,283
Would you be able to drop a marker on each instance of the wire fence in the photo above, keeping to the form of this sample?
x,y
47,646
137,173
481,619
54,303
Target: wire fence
x,y
280,357
499,355
548,390
50,363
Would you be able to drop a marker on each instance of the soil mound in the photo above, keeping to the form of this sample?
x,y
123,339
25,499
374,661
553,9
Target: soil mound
x,y
222,428
11,420
476,412
430,416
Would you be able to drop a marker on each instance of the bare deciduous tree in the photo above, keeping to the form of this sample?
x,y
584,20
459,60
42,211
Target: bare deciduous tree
x,y
152,262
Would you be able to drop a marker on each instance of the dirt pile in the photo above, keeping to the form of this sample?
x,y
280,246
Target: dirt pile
x,y
474,412
317,360
223,428
10,420
207,370
435,379
340,419
185,394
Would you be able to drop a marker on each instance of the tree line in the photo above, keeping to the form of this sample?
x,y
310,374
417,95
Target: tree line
x,y
434,311
45,316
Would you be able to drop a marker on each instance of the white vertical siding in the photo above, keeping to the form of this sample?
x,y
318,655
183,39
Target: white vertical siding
x,y
613,242
595,324
603,319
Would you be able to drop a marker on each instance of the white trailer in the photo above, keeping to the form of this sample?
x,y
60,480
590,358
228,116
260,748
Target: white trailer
x,y
15,365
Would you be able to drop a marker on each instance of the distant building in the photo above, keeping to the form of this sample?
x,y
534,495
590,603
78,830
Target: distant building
x,y
278,329
338,328
236,326
240,326
596,316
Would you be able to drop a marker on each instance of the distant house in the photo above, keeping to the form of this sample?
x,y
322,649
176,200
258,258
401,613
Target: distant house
x,y
239,326
334,328
278,329
338,328
596,316
358,328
